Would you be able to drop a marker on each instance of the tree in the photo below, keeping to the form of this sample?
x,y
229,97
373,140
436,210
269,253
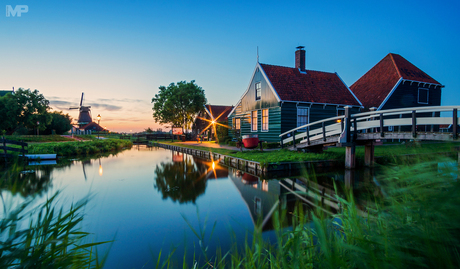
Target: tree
x,y
24,108
178,103
60,123
148,130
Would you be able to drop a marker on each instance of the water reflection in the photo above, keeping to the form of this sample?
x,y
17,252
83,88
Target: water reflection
x,y
181,181
27,182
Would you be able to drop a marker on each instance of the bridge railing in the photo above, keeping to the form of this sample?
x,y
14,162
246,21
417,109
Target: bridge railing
x,y
348,126
329,127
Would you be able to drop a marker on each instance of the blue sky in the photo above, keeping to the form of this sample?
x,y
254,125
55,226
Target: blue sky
x,y
120,52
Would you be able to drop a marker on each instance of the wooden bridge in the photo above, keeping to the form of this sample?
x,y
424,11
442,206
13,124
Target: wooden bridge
x,y
421,123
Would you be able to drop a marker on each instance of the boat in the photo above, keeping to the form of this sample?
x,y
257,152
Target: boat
x,y
250,141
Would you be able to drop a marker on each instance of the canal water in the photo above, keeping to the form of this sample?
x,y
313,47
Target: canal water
x,y
151,199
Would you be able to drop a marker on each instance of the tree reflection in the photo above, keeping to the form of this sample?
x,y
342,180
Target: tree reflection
x,y
181,181
27,182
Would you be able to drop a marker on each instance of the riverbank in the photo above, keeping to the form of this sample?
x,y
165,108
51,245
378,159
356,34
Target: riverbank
x,y
74,148
282,159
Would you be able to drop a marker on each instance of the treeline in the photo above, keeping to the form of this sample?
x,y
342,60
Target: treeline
x,y
24,111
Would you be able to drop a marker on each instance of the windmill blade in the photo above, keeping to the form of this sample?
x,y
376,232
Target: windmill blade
x,y
74,108
81,102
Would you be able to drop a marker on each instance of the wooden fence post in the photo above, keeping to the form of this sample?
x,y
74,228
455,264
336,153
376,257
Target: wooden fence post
x,y
414,124
324,131
381,125
293,139
454,124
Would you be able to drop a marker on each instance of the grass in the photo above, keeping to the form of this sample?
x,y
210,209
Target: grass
x,y
40,139
79,148
45,236
387,152
273,156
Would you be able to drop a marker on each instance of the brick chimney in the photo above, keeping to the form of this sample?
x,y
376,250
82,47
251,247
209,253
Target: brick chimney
x,y
300,58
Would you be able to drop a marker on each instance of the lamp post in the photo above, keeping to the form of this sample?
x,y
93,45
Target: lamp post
x,y
98,120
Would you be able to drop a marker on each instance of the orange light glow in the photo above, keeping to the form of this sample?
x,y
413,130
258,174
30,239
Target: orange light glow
x,y
213,123
100,170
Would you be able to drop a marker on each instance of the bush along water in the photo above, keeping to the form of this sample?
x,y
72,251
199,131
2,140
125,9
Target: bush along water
x,y
413,223
80,148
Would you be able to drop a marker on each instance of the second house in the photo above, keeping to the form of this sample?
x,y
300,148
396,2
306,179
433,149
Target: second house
x,y
280,98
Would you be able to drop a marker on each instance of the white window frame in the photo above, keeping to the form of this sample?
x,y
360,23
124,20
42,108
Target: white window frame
x,y
427,96
307,109
265,124
254,123
258,89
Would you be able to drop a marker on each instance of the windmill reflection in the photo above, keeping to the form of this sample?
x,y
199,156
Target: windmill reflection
x,y
100,168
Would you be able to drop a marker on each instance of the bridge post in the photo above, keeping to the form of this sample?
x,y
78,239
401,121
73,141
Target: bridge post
x,y
308,135
350,157
281,141
369,154
347,123
355,129
293,139
454,124
324,131
381,125
414,124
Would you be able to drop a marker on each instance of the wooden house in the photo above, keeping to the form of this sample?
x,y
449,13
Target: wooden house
x,y
394,82
280,98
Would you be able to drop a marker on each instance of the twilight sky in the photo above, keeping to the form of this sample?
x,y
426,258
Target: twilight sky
x,y
120,52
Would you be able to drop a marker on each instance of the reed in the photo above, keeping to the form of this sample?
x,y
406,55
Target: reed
x,y
46,236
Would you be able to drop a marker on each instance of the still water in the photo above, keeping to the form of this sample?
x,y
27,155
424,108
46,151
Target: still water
x,y
152,199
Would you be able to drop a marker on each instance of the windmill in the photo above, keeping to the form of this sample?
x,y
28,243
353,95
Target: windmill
x,y
84,117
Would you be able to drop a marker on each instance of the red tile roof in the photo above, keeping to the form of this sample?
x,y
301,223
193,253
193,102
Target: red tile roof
x,y
372,88
220,112
314,86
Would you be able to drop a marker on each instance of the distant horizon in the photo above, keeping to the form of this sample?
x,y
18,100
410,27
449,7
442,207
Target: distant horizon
x,y
120,54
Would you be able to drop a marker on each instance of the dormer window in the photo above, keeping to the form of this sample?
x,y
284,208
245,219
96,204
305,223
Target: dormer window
x,y
258,91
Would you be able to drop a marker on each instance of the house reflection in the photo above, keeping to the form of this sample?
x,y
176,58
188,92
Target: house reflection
x,y
263,197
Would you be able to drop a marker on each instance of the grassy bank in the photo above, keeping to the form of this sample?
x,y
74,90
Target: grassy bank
x,y
79,148
386,152
273,156
38,139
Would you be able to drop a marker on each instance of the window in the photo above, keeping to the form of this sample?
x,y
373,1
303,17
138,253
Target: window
x,y
265,120
238,123
258,91
254,121
422,96
302,116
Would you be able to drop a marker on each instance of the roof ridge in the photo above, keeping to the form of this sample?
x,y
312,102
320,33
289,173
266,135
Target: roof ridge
x,y
307,70
395,65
